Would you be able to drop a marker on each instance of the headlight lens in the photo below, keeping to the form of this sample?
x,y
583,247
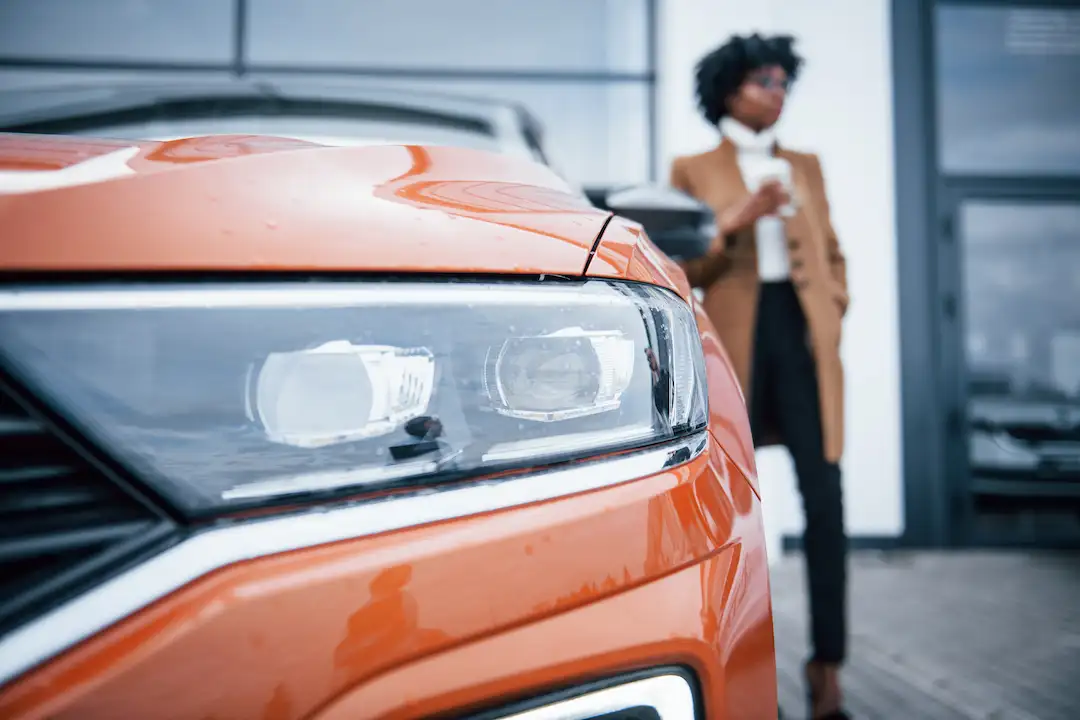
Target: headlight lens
x,y
232,395
562,375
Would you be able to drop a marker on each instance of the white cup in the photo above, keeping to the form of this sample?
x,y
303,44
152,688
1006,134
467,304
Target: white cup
x,y
778,169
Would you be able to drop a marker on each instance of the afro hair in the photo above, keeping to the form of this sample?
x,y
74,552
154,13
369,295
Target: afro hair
x,y
720,73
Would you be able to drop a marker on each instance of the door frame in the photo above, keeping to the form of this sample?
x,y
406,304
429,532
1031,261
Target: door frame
x,y
928,279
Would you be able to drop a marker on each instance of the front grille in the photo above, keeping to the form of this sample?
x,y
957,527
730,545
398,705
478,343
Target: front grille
x,y
64,524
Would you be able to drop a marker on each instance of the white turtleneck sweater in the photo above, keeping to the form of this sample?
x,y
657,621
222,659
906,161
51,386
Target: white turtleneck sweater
x,y
757,164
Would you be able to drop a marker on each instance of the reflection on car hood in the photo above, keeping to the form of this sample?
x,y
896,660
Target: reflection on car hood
x,y
260,203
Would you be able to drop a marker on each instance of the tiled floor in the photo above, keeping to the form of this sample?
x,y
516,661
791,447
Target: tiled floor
x,y
946,636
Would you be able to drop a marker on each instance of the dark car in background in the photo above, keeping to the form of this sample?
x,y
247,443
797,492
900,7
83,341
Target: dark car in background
x,y
346,113
336,114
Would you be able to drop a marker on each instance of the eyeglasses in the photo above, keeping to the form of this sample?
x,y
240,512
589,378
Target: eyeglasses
x,y
771,82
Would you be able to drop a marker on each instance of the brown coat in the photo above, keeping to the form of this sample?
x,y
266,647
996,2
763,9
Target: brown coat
x,y
729,276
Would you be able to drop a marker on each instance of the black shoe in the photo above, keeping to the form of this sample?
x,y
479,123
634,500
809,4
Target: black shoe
x,y
834,715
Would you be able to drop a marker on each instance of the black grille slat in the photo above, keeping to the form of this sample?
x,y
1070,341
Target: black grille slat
x,y
26,500
52,544
28,474
64,520
21,524
19,426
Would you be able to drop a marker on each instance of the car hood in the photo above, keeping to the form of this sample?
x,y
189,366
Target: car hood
x,y
246,203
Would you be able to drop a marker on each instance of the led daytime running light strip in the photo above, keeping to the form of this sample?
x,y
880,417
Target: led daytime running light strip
x,y
303,296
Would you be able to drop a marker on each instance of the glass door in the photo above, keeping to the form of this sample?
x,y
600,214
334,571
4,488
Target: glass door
x,y
1015,367
1008,267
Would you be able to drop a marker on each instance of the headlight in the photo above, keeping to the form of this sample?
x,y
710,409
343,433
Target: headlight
x,y
229,395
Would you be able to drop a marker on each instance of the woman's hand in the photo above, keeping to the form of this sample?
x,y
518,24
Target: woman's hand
x,y
767,200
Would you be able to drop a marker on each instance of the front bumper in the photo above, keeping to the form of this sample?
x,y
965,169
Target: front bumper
x,y
451,618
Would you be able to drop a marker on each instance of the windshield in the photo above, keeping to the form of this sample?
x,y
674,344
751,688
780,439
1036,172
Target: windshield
x,y
324,130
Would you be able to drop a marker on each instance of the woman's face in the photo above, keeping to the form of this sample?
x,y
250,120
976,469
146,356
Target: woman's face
x,y
760,99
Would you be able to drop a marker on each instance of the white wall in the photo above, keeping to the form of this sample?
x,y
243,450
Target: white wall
x,y
841,109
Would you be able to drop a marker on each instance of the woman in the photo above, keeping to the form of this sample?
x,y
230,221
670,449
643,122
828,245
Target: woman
x,y
776,289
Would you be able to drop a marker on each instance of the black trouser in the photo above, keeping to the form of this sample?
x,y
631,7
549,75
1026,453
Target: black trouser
x,y
784,395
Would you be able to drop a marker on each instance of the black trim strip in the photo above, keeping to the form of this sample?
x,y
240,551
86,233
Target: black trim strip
x,y
596,245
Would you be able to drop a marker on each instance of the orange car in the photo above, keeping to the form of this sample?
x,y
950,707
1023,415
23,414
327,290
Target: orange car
x,y
401,431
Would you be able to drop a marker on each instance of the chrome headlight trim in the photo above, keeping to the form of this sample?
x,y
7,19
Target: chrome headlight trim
x,y
213,549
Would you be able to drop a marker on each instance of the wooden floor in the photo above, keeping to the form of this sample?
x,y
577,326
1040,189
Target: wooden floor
x,y
946,636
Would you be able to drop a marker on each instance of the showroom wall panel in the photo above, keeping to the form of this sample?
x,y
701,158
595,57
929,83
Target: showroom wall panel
x,y
583,67
476,35
595,133
152,31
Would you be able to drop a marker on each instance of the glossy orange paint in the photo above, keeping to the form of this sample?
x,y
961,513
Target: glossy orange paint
x,y
290,206
626,252
668,568
41,153
161,156
664,569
